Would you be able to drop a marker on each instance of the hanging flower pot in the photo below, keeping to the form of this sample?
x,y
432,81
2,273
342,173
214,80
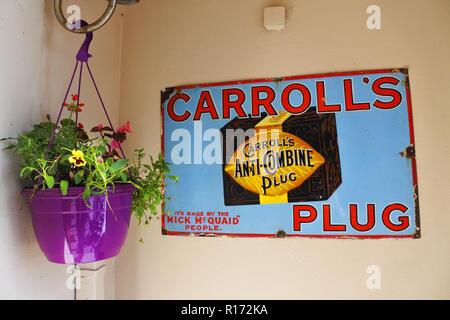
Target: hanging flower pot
x,y
83,189
69,231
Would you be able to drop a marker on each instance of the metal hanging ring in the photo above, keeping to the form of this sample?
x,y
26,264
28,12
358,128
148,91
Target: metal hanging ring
x,y
91,27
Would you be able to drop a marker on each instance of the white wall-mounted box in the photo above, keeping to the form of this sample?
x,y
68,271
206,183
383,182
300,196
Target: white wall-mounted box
x,y
274,18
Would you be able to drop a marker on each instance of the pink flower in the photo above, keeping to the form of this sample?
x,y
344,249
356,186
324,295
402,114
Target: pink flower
x,y
99,159
100,127
125,128
114,144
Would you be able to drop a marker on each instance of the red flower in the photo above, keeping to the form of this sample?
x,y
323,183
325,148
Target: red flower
x,y
125,128
80,125
100,127
79,110
75,97
114,144
65,104
81,104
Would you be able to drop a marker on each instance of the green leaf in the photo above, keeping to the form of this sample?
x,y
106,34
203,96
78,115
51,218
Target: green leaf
x,y
86,195
64,185
53,170
67,122
65,158
50,181
87,192
101,149
172,177
136,185
116,166
25,172
79,176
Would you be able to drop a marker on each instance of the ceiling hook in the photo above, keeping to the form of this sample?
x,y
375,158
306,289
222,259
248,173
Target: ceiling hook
x,y
89,27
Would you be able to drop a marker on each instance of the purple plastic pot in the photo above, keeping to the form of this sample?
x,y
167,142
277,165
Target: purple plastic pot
x,y
70,232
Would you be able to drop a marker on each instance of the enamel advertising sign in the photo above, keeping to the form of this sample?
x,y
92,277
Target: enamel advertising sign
x,y
327,155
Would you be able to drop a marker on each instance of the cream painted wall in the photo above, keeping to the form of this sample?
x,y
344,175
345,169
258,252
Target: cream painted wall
x,y
177,42
37,58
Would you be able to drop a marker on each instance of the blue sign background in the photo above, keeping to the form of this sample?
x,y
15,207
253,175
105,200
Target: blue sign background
x,y
369,141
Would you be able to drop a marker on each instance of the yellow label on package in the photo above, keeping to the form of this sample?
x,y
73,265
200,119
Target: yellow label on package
x,y
273,162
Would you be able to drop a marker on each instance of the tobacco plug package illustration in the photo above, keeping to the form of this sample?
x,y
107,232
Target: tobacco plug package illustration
x,y
276,165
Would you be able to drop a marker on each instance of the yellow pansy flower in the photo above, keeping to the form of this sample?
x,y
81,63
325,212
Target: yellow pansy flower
x,y
77,158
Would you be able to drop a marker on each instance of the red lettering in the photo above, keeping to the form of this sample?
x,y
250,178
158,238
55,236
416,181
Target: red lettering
x,y
265,102
285,98
370,217
396,96
171,107
236,105
321,100
327,226
404,221
298,219
350,105
205,96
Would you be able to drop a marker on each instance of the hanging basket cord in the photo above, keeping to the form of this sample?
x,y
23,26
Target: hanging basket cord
x,y
82,58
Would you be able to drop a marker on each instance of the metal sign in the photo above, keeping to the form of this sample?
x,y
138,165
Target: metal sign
x,y
327,155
